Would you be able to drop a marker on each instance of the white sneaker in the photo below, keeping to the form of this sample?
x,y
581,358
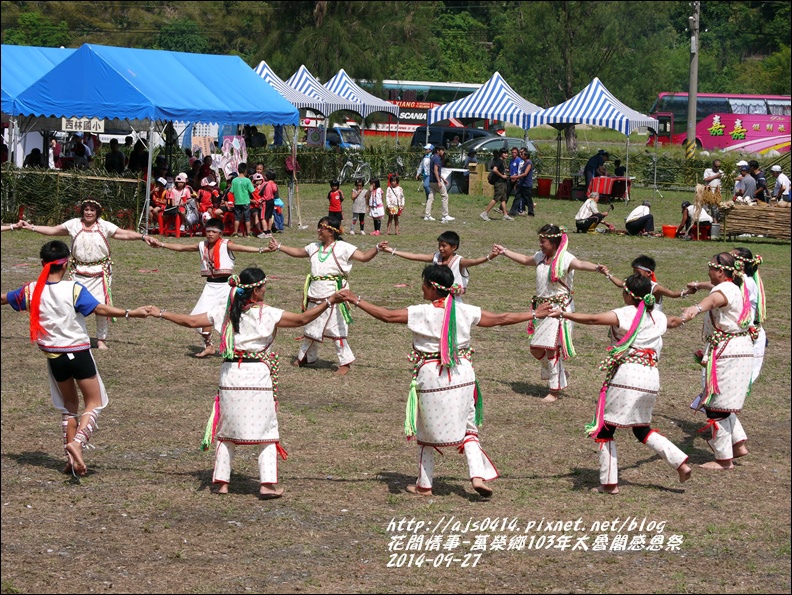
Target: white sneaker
x,y
447,218
507,218
429,218
484,216
351,232
362,232
181,228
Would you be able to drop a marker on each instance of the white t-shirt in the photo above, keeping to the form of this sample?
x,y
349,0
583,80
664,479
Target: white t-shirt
x,y
588,209
704,216
637,213
716,183
782,183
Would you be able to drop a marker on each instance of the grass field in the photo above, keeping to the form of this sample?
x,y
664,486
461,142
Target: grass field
x,y
145,519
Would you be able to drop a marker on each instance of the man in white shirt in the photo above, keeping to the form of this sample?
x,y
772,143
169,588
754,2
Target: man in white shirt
x,y
690,220
713,175
588,217
640,221
781,190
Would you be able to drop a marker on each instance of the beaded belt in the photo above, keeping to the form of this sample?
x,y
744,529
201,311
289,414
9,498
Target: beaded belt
x,y
339,280
270,358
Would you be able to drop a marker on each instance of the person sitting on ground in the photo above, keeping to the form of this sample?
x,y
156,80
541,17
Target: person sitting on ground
x,y
588,216
690,218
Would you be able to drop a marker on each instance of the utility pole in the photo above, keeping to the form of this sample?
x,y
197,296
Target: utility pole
x,y
693,28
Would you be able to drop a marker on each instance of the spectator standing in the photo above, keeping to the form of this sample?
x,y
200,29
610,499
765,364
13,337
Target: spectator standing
x,y
499,178
138,159
595,167
747,183
54,160
781,190
242,188
511,183
713,175
523,200
761,181
437,184
470,159
425,168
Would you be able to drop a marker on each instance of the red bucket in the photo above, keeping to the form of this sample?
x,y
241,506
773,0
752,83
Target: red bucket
x,y
669,231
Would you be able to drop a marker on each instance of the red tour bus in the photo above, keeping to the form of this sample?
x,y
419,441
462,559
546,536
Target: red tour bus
x,y
745,123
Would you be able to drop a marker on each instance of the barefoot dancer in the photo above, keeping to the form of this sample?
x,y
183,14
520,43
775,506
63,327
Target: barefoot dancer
x,y
331,262
728,357
91,264
246,405
57,323
630,389
551,342
217,265
445,406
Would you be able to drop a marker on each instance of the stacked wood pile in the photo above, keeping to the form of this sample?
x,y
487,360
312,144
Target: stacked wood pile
x,y
770,221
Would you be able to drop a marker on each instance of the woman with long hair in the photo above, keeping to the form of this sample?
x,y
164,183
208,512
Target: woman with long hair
x,y
245,410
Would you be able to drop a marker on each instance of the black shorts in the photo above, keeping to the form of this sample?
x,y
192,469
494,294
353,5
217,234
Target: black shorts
x,y
78,365
269,208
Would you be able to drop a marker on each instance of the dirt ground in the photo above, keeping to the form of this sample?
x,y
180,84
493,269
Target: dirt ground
x,y
145,518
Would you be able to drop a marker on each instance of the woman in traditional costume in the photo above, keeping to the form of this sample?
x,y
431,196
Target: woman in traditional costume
x,y
630,389
551,341
445,405
728,357
331,263
245,410
90,263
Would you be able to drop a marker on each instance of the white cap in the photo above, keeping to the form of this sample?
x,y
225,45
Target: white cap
x,y
741,163
428,147
162,181
776,168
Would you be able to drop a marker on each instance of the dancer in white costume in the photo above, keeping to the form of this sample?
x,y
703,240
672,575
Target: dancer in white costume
x,y
217,265
331,262
551,341
247,401
630,390
645,265
57,324
91,264
445,405
728,357
447,245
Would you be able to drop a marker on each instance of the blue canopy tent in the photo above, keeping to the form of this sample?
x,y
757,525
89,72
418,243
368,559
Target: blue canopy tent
x,y
152,87
595,106
494,100
21,67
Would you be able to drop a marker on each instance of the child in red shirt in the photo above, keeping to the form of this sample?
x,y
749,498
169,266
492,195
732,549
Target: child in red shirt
x,y
335,197
256,200
209,200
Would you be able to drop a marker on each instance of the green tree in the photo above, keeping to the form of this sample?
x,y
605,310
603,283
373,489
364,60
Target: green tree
x,y
182,35
34,29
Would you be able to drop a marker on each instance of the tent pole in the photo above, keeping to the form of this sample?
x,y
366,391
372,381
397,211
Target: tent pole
x,y
558,159
627,172
398,122
147,202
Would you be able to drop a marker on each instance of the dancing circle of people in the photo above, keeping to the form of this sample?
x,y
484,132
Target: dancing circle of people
x,y
445,403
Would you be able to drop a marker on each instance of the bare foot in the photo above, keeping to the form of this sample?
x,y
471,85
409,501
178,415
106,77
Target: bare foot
x,y
342,370
268,491
100,344
606,489
74,450
68,468
739,450
481,487
223,489
718,465
551,396
208,350
418,491
684,471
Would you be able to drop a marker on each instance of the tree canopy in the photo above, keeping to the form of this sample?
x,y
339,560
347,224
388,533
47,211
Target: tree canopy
x,y
547,51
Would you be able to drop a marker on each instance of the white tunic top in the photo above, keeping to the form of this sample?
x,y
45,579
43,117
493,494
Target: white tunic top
x,y
426,323
334,260
650,335
90,244
544,287
257,326
65,329
725,318
461,274
208,265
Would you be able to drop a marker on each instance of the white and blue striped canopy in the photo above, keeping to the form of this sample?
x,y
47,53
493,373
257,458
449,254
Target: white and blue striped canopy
x,y
495,100
297,99
596,106
304,82
341,84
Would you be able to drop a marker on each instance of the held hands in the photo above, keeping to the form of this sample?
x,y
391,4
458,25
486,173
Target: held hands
x,y
345,295
140,312
690,313
25,225
383,246
273,245
601,268
692,287
499,249
554,312
494,253
152,241
544,310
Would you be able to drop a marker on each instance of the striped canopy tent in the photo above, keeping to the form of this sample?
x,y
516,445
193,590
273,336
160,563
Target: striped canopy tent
x,y
296,98
595,106
495,100
304,82
341,84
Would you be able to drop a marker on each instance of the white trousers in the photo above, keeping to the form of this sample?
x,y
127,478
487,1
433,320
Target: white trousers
x,y
309,351
479,464
267,462
553,371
